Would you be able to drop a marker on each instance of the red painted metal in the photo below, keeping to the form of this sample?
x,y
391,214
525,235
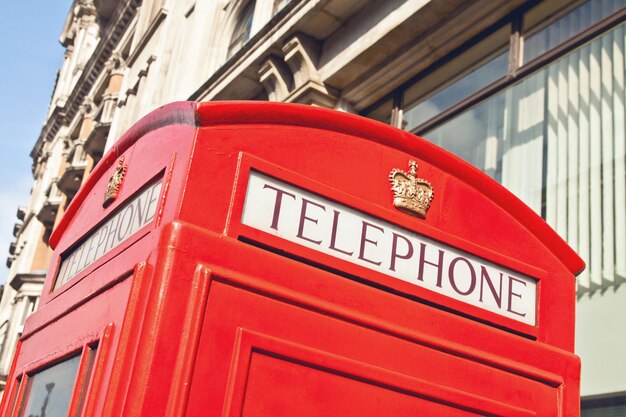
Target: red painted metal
x,y
198,314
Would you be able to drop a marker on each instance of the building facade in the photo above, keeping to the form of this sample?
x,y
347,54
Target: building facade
x,y
530,92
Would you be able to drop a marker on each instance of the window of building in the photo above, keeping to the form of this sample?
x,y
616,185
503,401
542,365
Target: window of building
x,y
485,65
548,123
241,34
488,62
608,406
557,140
540,39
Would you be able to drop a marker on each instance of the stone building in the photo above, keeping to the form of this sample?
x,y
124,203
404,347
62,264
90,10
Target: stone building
x,y
531,92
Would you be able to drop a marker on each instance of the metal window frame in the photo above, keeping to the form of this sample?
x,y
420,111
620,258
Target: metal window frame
x,y
517,69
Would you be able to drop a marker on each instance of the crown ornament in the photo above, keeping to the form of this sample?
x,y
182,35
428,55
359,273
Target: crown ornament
x,y
115,183
412,195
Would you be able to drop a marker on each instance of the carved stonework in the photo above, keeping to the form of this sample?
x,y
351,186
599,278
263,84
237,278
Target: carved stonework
x,y
116,62
89,108
302,55
315,94
345,106
275,77
68,52
85,8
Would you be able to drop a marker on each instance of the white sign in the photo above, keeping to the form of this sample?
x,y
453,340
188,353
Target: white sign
x,y
128,219
317,223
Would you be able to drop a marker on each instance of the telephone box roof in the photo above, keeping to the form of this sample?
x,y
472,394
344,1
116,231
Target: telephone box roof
x,y
267,113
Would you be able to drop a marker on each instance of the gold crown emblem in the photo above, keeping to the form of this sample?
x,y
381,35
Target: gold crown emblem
x,y
412,195
115,182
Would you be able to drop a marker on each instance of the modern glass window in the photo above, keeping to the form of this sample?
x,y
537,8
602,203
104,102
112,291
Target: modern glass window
x,y
612,406
241,34
568,26
503,137
557,140
487,62
548,123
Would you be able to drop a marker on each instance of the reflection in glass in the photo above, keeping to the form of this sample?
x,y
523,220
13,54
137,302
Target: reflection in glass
x,y
569,26
557,140
474,135
503,136
465,74
457,91
49,392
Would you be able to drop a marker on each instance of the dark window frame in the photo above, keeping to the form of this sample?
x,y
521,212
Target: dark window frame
x,y
602,401
517,69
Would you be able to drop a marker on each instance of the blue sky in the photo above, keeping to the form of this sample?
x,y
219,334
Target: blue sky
x,y
31,54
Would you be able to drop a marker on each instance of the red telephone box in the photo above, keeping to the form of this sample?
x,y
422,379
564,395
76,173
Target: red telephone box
x,y
264,259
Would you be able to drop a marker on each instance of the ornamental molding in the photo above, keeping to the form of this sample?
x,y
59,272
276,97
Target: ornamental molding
x,y
116,62
275,78
88,108
94,66
302,55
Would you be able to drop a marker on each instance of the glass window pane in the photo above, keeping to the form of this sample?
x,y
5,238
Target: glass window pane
x,y
49,392
480,125
463,76
241,34
557,140
455,92
568,26
608,407
503,136
382,113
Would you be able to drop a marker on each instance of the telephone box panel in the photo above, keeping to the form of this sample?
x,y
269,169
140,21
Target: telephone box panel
x,y
257,259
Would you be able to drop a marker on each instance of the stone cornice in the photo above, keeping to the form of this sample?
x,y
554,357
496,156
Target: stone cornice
x,y
36,277
95,65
